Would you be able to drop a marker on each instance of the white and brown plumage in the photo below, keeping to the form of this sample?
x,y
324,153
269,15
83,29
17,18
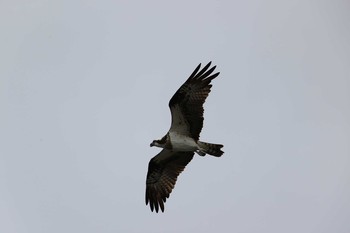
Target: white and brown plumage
x,y
182,140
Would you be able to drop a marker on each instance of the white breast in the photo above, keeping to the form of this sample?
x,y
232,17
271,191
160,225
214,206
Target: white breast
x,y
182,143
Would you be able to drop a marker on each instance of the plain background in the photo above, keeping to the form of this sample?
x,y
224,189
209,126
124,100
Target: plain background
x,y
84,89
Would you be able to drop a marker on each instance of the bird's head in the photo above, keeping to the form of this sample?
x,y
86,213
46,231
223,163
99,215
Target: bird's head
x,y
155,143
159,143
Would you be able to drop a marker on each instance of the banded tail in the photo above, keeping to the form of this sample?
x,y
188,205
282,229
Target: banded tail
x,y
209,148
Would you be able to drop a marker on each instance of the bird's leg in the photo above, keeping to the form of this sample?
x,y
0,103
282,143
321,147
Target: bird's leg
x,y
201,153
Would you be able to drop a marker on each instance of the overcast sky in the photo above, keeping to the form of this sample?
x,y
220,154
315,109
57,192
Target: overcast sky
x,y
84,89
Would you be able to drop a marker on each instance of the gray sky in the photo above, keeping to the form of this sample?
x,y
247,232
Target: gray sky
x,y
84,89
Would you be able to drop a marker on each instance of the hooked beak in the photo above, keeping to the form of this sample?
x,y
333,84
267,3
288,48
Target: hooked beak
x,y
152,144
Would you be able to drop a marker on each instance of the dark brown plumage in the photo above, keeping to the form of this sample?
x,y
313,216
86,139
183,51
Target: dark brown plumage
x,y
190,97
162,176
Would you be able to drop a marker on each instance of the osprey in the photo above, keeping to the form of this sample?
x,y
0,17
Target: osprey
x,y
182,140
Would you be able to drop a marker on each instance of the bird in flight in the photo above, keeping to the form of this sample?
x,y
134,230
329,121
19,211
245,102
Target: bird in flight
x,y
182,140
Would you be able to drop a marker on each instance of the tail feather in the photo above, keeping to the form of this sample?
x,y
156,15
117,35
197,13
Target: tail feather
x,y
210,148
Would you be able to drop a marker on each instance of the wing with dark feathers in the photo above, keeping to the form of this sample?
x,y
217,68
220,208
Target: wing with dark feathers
x,y
186,105
163,170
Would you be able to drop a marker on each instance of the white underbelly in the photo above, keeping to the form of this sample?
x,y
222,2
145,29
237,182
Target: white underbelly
x,y
182,143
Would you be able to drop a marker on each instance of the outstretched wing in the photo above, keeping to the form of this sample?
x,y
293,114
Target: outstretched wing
x,y
186,105
163,170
